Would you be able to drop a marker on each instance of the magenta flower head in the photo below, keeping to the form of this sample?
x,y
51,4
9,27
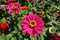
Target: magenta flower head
x,y
14,8
32,25
55,37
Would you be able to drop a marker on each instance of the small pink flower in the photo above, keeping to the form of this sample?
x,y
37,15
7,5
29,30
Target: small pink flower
x,y
2,6
40,3
34,0
14,8
56,14
53,8
28,0
32,25
34,8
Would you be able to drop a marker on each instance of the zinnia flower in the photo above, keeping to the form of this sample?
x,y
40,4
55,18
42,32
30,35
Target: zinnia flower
x,y
53,8
32,25
24,7
34,8
10,1
34,0
40,3
54,37
41,13
14,8
52,29
28,0
2,6
58,19
56,14
4,27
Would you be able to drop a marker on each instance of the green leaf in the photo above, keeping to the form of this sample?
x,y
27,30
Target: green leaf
x,y
55,22
44,32
58,33
3,0
23,12
13,38
9,36
33,38
39,38
19,25
58,7
3,20
48,16
25,39
42,37
3,37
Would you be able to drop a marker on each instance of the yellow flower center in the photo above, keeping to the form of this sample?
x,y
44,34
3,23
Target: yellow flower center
x,y
32,23
41,13
14,7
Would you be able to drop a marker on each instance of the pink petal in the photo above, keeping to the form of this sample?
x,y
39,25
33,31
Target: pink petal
x,y
25,26
39,28
29,18
28,30
34,34
38,31
40,25
25,22
11,11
